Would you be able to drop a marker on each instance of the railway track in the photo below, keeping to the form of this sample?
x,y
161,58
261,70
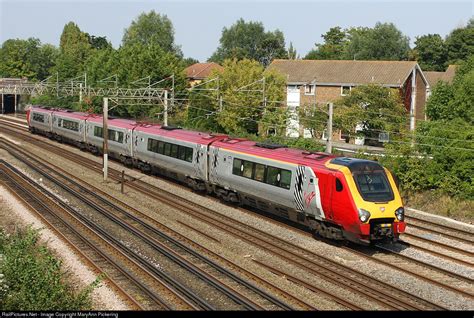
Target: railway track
x,y
120,270
443,230
148,229
405,300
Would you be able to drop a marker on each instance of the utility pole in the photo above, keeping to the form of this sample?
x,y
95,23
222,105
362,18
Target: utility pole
x,y
165,112
15,100
57,84
329,140
220,104
80,92
105,136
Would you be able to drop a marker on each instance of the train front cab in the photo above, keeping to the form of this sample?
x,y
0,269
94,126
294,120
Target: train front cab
x,y
368,204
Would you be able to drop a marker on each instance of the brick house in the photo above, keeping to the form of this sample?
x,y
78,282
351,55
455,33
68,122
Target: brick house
x,y
197,72
312,82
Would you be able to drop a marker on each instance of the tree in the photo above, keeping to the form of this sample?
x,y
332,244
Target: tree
x,y
373,108
99,42
442,158
314,118
431,52
451,101
27,59
75,49
190,61
335,41
383,42
248,40
152,28
460,43
244,110
292,55
135,61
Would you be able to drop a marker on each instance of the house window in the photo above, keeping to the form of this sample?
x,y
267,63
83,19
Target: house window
x,y
325,135
309,89
345,90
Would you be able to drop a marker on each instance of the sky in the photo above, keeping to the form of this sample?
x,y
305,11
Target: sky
x,y
198,24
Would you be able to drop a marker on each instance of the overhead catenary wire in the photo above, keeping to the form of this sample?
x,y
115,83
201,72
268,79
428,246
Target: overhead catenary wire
x,y
395,141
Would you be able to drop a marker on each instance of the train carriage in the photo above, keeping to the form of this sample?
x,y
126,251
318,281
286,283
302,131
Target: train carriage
x,y
119,137
269,177
177,153
338,197
69,126
40,120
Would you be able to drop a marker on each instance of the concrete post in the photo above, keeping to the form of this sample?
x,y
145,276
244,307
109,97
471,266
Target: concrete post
x,y
413,100
165,112
105,136
329,141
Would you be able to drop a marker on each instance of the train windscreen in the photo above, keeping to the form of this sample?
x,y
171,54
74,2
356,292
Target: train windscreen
x,y
373,186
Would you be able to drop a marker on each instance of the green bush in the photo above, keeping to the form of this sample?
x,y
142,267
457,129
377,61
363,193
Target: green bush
x,y
32,278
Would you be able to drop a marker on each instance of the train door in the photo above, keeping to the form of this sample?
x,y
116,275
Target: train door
x,y
200,161
128,141
338,197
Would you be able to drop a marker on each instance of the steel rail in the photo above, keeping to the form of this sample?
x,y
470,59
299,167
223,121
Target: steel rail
x,y
447,227
30,200
169,283
230,274
146,189
436,253
450,236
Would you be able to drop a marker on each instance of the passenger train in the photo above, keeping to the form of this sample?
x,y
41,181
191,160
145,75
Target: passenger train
x,y
336,197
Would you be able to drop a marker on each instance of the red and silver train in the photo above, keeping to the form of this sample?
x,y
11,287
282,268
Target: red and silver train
x,y
337,197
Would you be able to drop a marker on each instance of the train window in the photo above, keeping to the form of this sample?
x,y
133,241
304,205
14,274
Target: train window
x,y
98,131
285,179
339,186
181,152
167,149
38,117
161,147
374,186
69,124
248,169
119,137
189,154
116,136
273,176
236,167
259,172
152,145
174,151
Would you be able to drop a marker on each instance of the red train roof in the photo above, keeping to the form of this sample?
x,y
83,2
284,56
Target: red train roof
x,y
71,114
113,122
290,155
40,109
180,134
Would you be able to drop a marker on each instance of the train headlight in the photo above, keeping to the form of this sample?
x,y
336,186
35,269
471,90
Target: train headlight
x,y
364,215
400,214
